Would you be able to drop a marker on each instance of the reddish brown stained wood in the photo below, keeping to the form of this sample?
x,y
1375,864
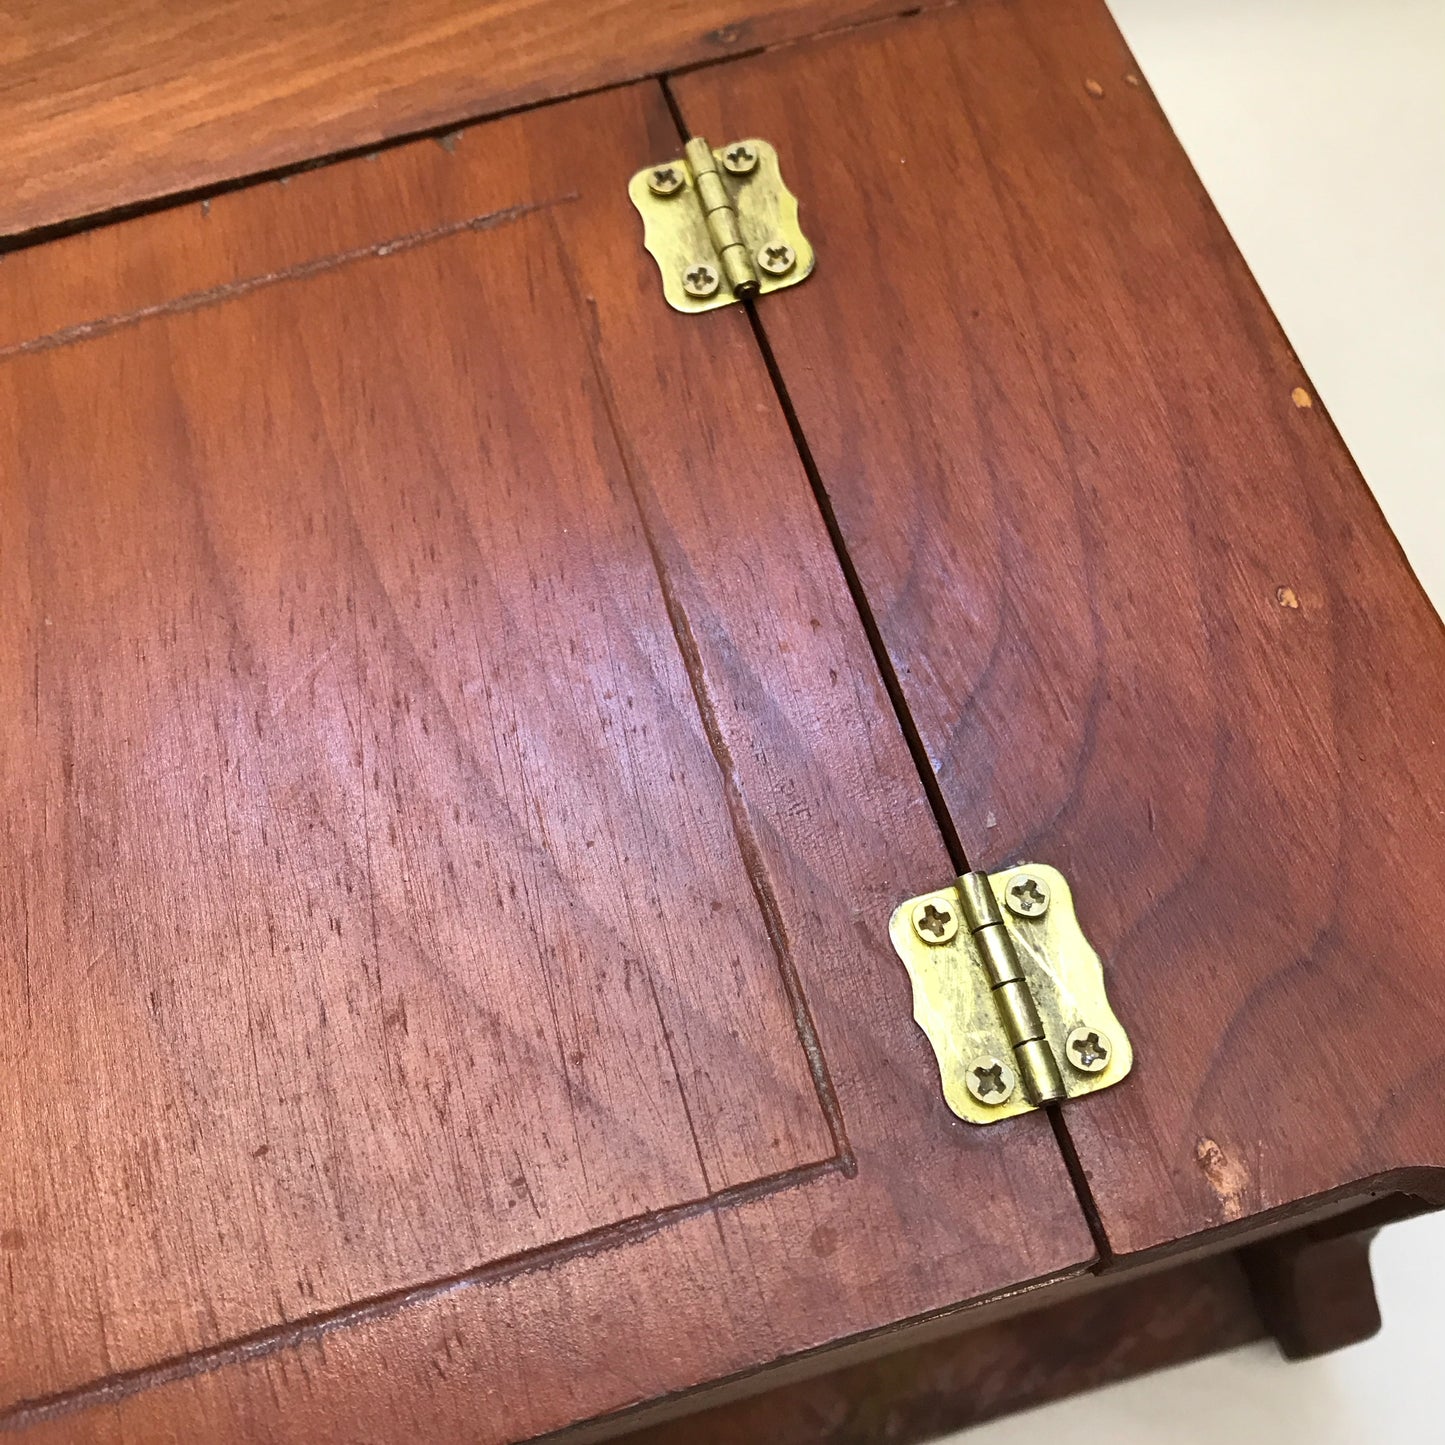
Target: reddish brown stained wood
x,y
1314,1290
1128,1329
453,819
369,826
1054,418
110,105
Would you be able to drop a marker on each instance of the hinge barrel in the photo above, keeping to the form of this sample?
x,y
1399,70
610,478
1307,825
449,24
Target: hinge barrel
x,y
721,224
722,220
1012,997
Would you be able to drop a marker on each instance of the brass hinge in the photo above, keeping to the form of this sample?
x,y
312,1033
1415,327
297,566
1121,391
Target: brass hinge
x,y
721,225
1010,993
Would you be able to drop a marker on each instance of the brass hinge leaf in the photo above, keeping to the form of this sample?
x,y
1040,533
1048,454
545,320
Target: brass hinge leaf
x,y
721,225
1010,993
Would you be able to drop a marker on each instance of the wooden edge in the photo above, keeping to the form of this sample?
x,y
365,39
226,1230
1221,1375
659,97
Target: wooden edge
x,y
115,113
1371,1202
1110,1333
1310,1289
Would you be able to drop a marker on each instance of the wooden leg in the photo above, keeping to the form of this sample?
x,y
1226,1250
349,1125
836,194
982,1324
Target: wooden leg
x,y
1314,1290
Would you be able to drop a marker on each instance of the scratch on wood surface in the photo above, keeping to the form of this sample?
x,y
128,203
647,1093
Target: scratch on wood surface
x,y
1301,398
753,858
681,1082
1227,1177
228,290
302,682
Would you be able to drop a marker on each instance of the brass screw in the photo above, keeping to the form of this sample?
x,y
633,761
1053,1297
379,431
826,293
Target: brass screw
x,y
665,181
1027,896
777,259
701,280
1088,1050
934,921
740,159
989,1080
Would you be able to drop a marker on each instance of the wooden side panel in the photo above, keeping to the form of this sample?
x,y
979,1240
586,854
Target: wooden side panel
x,y
109,105
1110,1334
1146,616
453,817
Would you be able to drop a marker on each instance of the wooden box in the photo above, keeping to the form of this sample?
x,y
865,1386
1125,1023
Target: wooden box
x,y
468,725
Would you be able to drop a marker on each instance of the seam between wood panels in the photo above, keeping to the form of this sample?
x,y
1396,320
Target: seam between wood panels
x,y
274,1339
203,195
440,131
1078,1178
887,672
750,849
230,290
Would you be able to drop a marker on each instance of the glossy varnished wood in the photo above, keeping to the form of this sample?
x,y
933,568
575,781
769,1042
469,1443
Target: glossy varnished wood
x,y
1146,617
300,885
452,818
108,105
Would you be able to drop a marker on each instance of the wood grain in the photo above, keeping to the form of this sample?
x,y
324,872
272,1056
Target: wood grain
x,y
110,105
368,808
1116,1333
453,819
1148,620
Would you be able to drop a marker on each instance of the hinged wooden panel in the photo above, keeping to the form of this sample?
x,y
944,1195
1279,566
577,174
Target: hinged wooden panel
x,y
452,818
1146,616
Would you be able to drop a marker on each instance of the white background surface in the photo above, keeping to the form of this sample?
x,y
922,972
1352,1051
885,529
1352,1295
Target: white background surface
x,y
1319,128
